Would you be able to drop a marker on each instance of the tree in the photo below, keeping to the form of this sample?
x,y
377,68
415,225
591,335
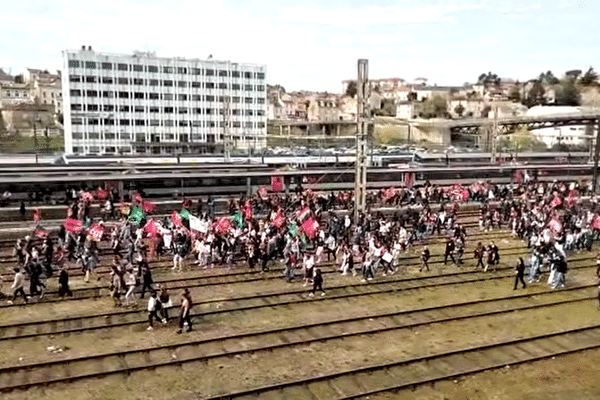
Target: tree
x,y
589,78
459,109
573,74
568,94
412,96
435,107
352,89
486,111
535,96
489,79
515,93
548,78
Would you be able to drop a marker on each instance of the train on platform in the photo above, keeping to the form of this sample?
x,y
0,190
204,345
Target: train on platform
x,y
176,183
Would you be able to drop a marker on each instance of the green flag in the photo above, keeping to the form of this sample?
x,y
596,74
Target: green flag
x,y
293,229
184,214
136,215
238,219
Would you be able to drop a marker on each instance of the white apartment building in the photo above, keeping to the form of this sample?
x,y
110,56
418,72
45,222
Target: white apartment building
x,y
144,104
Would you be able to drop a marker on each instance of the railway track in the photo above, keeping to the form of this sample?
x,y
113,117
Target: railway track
x,y
290,297
235,277
124,362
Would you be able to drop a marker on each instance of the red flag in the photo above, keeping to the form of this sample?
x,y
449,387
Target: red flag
x,y
310,227
137,198
465,195
596,222
41,233
87,196
262,191
151,228
556,202
388,193
278,219
176,219
409,179
302,214
223,225
72,225
95,232
277,183
555,225
148,206
247,211
37,214
101,194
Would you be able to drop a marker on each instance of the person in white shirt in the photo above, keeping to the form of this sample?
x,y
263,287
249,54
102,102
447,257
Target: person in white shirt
x,y
154,307
18,286
130,283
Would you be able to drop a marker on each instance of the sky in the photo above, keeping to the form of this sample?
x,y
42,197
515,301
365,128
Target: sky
x,y
314,45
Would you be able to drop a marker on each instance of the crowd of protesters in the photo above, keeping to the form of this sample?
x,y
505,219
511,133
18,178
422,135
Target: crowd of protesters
x,y
305,232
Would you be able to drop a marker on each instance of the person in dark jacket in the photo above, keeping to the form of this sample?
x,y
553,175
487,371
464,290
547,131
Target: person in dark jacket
x,y
317,283
146,277
449,252
425,254
63,283
519,273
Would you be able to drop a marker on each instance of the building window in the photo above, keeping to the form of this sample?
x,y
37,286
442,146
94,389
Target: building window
x,y
78,135
154,122
167,70
123,67
74,78
249,125
248,75
153,82
123,95
168,122
223,73
124,150
181,70
168,110
235,99
125,135
73,63
93,121
138,68
152,68
209,72
195,71
248,100
92,93
108,94
248,88
139,109
182,97
260,113
210,85
138,81
182,84
123,81
140,122
210,98
91,79
73,93
106,65
92,107
153,109
260,100
183,123
222,85
168,83
108,108
93,135
77,121
196,85
235,86
124,122
237,124
153,96
261,124
124,108
196,97
260,75
76,107
167,96
139,95
236,111
183,110
235,74
90,64
109,136
109,150
260,88
107,79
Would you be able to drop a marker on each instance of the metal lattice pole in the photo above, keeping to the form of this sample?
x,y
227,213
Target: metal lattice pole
x,y
362,121
226,124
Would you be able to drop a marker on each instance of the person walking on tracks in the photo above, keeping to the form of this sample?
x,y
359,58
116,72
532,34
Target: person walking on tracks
x,y
184,312
425,255
520,273
478,255
449,252
18,286
154,307
317,283
63,283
